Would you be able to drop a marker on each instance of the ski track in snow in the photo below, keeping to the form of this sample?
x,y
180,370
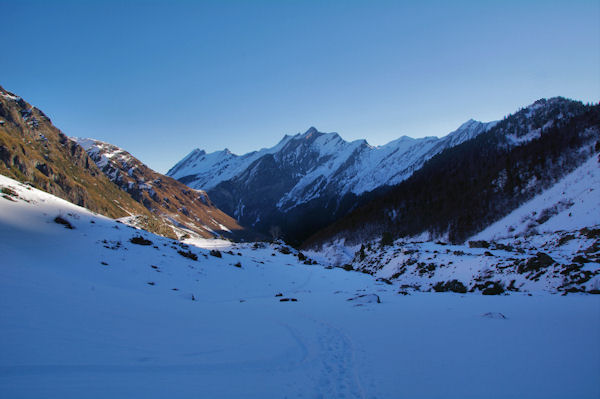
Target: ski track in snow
x,y
340,379
332,354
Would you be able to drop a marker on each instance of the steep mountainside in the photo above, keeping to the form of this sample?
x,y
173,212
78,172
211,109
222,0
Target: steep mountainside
x,y
32,150
187,208
466,188
310,179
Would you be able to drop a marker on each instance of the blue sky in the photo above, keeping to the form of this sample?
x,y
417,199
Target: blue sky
x,y
161,78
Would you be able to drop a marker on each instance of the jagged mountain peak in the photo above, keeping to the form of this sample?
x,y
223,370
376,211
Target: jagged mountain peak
x,y
476,183
312,134
311,130
467,131
470,122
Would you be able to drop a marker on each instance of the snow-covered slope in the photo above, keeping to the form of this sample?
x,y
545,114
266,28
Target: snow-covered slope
x,y
551,243
204,171
571,204
106,310
33,150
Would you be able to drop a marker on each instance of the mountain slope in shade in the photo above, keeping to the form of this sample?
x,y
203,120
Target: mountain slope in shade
x,y
33,150
464,189
164,196
312,175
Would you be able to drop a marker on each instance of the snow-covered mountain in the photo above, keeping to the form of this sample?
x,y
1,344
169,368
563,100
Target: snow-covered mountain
x,y
102,177
310,180
465,188
308,171
324,159
189,211
94,308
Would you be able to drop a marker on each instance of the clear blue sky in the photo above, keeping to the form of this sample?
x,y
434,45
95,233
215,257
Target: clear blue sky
x,y
162,78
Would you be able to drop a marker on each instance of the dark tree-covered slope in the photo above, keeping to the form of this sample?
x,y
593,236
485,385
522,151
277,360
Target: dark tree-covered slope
x,y
465,188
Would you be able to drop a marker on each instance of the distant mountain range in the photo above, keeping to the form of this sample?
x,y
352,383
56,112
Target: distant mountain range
x,y
309,180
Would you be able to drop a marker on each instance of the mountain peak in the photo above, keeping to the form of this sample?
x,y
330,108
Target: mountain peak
x,y
471,122
311,130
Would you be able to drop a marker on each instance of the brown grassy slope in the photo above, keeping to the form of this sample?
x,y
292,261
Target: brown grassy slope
x,y
33,151
162,195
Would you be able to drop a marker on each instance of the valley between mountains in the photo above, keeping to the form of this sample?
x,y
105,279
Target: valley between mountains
x,y
462,266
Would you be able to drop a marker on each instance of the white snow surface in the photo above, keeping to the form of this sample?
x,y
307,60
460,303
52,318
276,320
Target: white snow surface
x,y
88,314
561,222
103,152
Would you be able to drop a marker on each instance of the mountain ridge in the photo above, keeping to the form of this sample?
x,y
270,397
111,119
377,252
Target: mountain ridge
x,y
308,173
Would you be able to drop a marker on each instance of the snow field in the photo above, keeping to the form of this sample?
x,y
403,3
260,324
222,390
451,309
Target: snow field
x,y
73,327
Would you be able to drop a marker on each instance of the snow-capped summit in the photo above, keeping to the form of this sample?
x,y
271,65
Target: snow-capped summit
x,y
205,171
467,131
311,130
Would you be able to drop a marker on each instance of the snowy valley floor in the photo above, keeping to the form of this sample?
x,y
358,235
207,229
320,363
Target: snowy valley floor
x,y
86,313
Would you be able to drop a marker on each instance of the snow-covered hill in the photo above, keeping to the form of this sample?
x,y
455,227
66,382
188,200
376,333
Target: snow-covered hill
x,y
33,150
571,204
93,308
551,243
